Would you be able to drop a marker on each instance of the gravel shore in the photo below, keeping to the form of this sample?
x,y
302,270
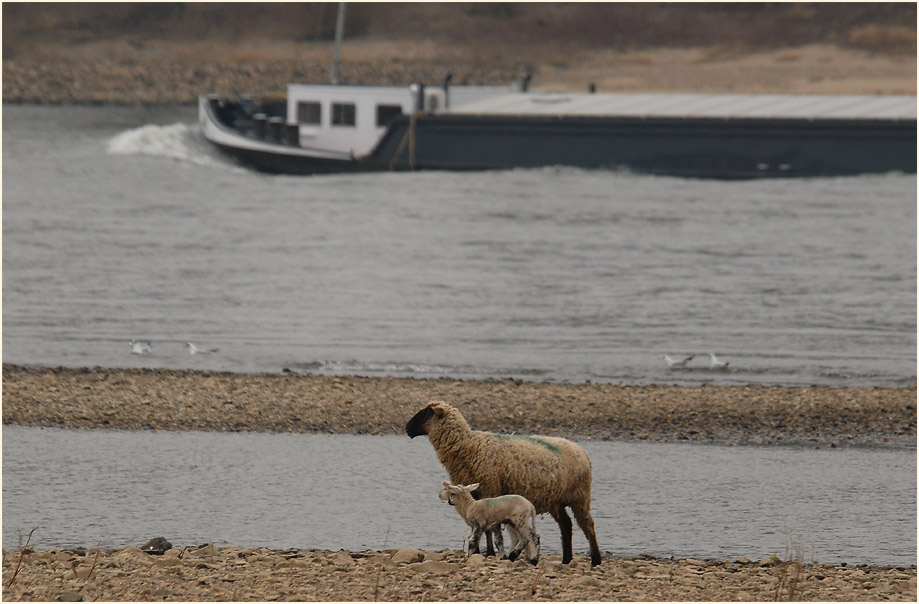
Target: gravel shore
x,y
158,399
209,573
112,72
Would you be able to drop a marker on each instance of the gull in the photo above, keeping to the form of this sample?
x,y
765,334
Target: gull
x,y
717,363
139,347
672,362
192,349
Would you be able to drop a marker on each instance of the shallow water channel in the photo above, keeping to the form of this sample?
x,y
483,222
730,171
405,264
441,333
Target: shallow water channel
x,y
119,488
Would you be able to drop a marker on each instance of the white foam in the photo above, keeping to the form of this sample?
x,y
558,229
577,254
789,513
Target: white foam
x,y
179,141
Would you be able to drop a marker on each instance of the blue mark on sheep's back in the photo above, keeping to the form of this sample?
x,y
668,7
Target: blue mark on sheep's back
x,y
553,448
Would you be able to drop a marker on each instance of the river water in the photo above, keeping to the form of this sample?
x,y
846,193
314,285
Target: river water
x,y
120,223
119,488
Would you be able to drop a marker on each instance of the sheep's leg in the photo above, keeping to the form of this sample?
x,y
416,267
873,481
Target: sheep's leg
x,y
586,522
564,523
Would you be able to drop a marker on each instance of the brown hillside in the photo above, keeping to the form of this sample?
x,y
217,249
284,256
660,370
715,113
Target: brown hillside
x,y
881,27
172,52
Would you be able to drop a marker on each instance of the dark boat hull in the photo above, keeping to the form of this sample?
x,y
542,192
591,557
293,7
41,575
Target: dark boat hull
x,y
704,148
277,162
690,147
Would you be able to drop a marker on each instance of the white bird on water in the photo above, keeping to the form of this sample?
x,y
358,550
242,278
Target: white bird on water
x,y
672,362
192,349
139,347
717,363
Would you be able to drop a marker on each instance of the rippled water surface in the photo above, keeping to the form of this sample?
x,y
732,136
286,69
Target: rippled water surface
x,y
83,487
120,223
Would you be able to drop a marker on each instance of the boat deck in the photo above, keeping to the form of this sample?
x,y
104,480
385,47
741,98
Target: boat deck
x,y
778,106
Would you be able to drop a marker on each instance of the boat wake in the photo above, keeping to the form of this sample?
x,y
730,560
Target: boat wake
x,y
181,142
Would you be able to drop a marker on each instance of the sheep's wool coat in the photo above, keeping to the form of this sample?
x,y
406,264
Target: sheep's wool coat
x,y
546,470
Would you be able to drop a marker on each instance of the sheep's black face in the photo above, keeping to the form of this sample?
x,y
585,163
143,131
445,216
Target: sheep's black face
x,y
417,426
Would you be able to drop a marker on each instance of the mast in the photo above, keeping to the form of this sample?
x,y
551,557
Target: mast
x,y
339,34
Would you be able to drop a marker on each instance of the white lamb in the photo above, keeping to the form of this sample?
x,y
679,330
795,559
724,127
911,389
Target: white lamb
x,y
489,515
495,536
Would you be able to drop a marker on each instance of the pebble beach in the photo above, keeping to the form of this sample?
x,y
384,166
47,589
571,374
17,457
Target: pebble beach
x,y
239,574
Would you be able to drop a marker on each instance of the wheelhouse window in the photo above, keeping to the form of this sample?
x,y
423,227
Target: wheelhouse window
x,y
343,114
387,113
309,112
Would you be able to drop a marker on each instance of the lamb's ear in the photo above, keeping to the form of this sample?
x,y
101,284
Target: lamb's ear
x,y
453,488
446,484
472,487
438,409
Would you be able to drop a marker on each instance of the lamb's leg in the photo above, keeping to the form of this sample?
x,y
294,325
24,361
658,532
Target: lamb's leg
x,y
534,551
586,522
489,549
474,536
499,540
527,540
514,534
564,523
522,541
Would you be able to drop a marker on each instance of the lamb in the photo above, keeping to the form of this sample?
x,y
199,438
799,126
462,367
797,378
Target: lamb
x,y
490,514
553,473
494,534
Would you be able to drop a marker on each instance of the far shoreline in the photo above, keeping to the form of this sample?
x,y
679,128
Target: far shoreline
x,y
167,399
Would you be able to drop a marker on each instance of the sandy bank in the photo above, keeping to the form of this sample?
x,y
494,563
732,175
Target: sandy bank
x,y
237,574
189,400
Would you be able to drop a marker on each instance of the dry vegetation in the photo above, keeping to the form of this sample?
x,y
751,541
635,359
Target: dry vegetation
x,y
882,27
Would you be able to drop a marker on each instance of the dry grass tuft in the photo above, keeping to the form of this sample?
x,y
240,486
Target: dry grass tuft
x,y
22,551
787,588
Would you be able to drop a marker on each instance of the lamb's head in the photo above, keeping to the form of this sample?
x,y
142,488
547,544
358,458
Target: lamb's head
x,y
457,489
435,411
449,491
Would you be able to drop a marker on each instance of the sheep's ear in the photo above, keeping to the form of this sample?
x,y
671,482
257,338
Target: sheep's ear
x,y
446,484
472,487
453,488
438,410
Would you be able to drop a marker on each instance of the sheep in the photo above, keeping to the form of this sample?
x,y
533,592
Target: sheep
x,y
495,534
489,515
553,473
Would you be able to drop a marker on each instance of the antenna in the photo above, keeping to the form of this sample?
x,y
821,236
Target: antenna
x,y
339,33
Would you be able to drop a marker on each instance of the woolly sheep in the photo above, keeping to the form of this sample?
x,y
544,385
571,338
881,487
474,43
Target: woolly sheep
x,y
488,515
553,473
